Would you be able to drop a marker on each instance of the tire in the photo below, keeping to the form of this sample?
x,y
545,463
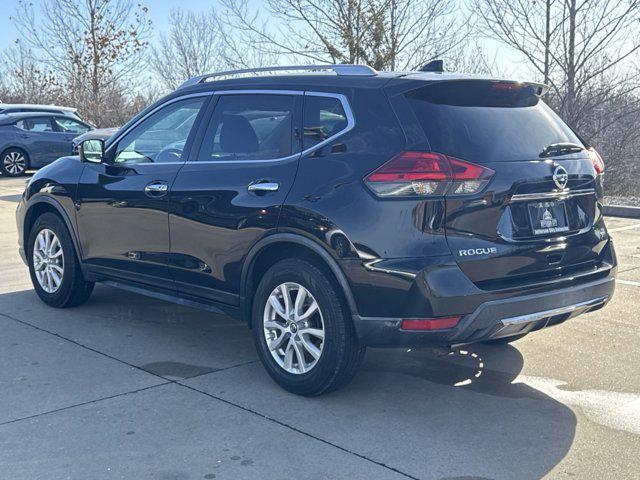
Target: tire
x,y
59,260
338,349
14,162
504,340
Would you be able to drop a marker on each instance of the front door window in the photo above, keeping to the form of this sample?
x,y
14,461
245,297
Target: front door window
x,y
162,136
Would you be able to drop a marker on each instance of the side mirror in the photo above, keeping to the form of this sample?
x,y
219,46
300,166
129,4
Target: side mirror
x,y
91,151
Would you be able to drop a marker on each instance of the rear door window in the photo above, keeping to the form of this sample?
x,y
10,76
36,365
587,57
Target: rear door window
x,y
37,124
250,127
324,117
487,121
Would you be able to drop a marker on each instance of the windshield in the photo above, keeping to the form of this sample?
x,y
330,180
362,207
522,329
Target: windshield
x,y
487,121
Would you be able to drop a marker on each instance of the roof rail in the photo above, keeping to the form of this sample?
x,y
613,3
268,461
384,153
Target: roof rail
x,y
339,69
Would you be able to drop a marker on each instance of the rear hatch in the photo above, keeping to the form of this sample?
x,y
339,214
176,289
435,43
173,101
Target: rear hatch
x,y
535,219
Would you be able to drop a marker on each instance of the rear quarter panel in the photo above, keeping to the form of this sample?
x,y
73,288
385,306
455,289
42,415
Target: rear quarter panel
x,y
380,244
330,203
9,139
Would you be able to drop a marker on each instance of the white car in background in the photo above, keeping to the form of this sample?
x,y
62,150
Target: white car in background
x,y
28,107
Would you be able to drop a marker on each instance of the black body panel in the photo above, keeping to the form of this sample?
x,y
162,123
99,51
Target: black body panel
x,y
498,220
52,187
214,222
394,258
330,203
122,230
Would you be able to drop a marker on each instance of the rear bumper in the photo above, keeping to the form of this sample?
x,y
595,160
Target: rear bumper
x,y
503,317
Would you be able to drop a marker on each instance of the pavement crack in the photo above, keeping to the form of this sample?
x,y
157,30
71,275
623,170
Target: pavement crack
x,y
242,364
177,382
297,430
44,330
124,362
81,404
630,269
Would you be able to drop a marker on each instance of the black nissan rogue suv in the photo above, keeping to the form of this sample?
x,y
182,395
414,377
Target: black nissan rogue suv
x,y
331,210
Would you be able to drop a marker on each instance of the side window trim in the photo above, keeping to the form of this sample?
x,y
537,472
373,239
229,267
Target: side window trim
x,y
55,125
188,148
346,106
115,140
351,121
52,124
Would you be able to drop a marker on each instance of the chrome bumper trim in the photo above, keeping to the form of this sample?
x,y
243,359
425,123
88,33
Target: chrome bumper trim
x,y
534,317
560,195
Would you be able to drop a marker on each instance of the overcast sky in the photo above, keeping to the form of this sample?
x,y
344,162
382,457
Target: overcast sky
x,y
159,14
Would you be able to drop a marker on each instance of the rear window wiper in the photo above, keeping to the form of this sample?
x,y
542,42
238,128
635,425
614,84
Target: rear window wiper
x,y
561,149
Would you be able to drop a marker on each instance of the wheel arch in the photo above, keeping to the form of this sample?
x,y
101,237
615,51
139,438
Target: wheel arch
x,y
42,205
270,250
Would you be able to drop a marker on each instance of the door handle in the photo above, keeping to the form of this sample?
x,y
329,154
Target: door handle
x,y
156,189
264,187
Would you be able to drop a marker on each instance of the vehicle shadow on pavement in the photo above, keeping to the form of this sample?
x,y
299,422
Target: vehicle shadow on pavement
x,y
427,413
10,198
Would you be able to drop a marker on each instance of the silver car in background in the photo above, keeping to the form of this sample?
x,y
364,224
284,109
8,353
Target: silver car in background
x,y
35,139
31,107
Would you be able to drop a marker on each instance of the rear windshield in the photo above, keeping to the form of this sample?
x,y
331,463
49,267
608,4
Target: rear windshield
x,y
487,122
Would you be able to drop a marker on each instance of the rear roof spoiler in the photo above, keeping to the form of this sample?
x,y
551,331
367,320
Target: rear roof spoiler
x,y
457,77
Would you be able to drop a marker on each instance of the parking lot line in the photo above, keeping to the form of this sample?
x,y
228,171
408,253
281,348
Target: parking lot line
x,y
629,282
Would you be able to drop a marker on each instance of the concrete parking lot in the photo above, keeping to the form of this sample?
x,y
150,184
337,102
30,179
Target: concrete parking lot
x,y
134,388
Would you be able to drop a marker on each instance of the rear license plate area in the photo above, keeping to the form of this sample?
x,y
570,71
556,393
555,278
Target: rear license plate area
x,y
548,217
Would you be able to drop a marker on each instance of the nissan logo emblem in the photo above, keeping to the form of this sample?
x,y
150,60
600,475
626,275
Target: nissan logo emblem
x,y
560,177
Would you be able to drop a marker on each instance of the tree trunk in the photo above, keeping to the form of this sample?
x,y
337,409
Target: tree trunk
x,y
571,64
547,41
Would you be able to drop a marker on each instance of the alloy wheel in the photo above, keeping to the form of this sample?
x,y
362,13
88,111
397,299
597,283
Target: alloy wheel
x,y
14,163
48,260
293,328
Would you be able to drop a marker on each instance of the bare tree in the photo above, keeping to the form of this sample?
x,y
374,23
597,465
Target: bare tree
x,y
417,31
24,79
587,51
471,57
386,34
200,43
193,46
570,43
90,48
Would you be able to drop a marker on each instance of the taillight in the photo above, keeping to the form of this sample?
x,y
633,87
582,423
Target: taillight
x,y
596,159
427,174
